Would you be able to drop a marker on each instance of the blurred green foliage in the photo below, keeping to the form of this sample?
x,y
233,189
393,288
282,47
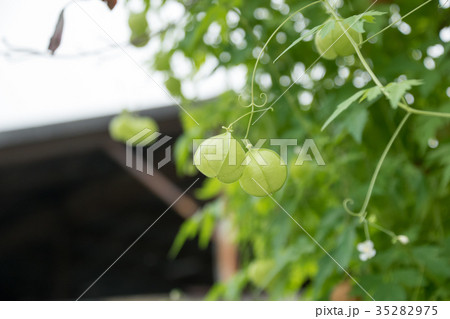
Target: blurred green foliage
x,y
411,196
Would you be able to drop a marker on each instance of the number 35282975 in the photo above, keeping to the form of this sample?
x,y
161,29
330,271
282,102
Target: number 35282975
x,y
406,310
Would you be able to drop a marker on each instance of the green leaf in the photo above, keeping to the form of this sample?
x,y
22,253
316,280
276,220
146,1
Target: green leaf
x,y
356,22
206,229
211,188
396,90
389,292
174,86
342,107
408,277
435,265
440,159
187,231
369,15
216,292
327,27
326,267
342,254
329,220
345,246
355,123
371,94
304,36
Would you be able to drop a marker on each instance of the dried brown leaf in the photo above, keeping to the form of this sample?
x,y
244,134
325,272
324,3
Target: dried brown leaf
x,y
55,40
111,3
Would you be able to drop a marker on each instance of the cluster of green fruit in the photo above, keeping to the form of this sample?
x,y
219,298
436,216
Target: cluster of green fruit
x,y
126,126
260,172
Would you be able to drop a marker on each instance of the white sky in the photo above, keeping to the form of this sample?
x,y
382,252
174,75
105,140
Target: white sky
x,y
37,90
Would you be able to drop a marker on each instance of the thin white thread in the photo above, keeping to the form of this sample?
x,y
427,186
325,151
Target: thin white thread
x,y
135,241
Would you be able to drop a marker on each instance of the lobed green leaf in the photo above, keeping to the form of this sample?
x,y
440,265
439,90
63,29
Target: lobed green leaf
x,y
357,21
342,107
396,90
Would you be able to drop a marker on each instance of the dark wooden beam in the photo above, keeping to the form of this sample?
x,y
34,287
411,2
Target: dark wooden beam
x,y
157,183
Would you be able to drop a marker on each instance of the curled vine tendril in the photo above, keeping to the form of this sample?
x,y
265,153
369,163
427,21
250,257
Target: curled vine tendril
x,y
361,214
261,96
242,103
348,202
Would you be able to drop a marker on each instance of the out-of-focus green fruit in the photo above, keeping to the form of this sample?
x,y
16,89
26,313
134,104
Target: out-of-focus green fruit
x,y
138,22
342,47
139,40
125,126
139,29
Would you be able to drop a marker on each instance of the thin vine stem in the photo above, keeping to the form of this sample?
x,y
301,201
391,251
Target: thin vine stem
x,y
363,212
366,230
384,230
246,114
421,112
259,57
399,19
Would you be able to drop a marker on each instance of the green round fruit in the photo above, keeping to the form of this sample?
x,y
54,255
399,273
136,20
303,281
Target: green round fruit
x,y
139,29
264,172
342,47
125,126
220,156
138,22
139,40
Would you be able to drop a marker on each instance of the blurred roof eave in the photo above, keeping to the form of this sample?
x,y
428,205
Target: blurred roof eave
x,y
75,128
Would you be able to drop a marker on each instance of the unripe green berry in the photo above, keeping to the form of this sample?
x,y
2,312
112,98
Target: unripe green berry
x,y
139,29
125,126
220,156
342,47
264,172
138,22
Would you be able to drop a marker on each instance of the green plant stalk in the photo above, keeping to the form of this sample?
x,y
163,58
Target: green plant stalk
x,y
259,57
366,230
425,113
363,212
384,230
